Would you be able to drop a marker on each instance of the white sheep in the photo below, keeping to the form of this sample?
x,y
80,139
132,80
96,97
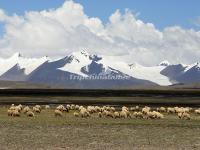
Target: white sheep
x,y
154,115
61,108
132,109
161,109
145,110
136,108
123,114
72,107
68,107
12,108
197,111
112,109
77,107
97,109
15,113
181,109
170,110
150,115
116,114
81,107
36,109
58,113
18,108
39,107
138,114
47,107
26,109
109,114
104,112
184,116
99,114
84,113
10,112
91,109
124,108
76,114
158,115
30,114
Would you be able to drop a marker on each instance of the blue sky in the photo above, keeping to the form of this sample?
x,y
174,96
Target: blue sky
x,y
160,13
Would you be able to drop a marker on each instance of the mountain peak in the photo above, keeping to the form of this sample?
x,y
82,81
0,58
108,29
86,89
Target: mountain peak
x,y
17,54
79,54
84,52
164,63
133,65
197,66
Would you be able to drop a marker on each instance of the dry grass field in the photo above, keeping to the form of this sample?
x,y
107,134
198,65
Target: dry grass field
x,y
45,131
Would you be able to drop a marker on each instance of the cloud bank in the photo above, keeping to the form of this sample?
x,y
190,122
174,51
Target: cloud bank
x,y
57,32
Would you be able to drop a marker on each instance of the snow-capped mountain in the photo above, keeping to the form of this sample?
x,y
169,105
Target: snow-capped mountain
x,y
82,70
17,67
180,73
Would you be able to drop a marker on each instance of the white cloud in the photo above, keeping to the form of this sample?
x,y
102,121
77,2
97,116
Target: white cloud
x,y
130,28
2,15
56,32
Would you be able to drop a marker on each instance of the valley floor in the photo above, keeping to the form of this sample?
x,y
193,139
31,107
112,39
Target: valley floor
x,y
45,131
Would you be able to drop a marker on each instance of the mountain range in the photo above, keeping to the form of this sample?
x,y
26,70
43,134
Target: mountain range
x,y
83,70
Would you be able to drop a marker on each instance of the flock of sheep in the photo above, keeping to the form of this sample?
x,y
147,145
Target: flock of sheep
x,y
105,111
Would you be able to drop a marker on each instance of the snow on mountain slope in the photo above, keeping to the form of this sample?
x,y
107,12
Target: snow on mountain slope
x,y
190,75
197,66
188,67
28,64
140,72
31,64
151,74
5,65
78,60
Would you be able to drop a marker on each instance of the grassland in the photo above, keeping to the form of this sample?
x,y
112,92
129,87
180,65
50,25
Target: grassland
x,y
68,132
